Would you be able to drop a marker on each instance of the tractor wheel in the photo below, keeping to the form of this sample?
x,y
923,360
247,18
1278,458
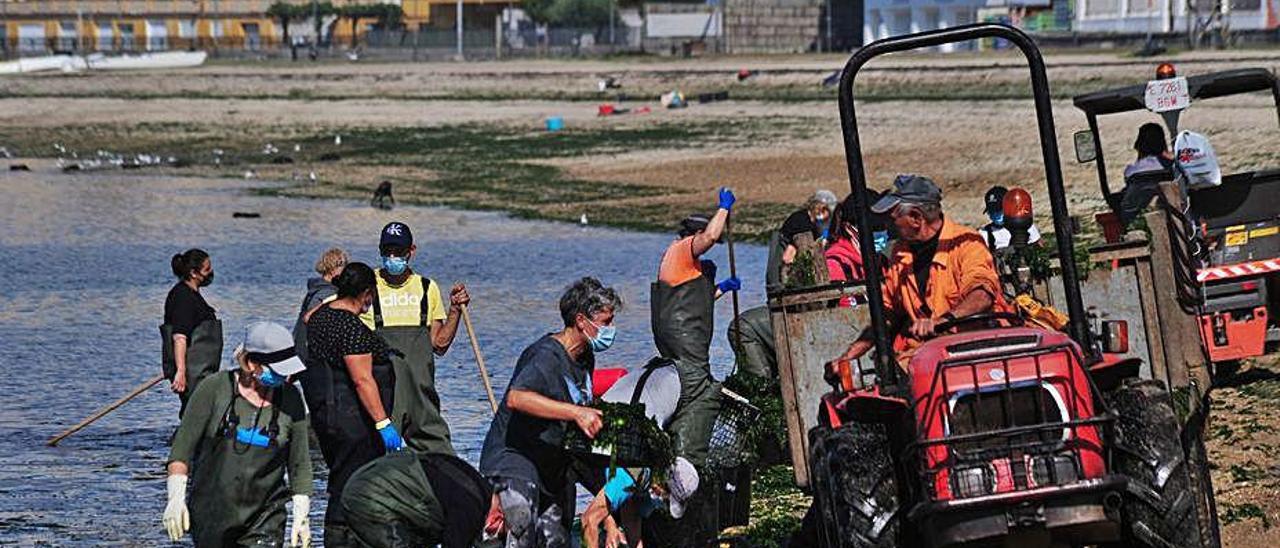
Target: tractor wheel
x,y
855,489
1160,508
1202,482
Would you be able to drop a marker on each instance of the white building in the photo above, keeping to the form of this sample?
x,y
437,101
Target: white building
x,y
1140,16
885,18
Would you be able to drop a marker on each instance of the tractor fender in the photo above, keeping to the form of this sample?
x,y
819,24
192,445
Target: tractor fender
x,y
862,405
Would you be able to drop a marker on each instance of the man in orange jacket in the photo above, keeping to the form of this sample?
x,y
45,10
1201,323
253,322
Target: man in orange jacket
x,y
938,270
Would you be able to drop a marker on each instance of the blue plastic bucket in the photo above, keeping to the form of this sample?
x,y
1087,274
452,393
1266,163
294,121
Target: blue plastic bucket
x,y
555,123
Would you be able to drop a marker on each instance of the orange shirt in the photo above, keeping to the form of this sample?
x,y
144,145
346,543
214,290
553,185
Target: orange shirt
x,y
961,265
679,265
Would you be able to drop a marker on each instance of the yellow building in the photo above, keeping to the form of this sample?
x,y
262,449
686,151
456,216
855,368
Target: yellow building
x,y
34,27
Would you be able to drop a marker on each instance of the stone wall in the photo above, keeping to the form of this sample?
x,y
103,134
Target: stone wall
x,y
749,26
771,26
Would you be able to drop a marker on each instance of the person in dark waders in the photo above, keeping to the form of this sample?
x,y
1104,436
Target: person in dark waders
x,y
351,422
191,336
409,314
243,431
682,304
410,499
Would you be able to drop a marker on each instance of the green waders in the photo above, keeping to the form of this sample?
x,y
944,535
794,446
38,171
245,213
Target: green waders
x,y
417,404
238,490
204,356
751,336
389,503
683,318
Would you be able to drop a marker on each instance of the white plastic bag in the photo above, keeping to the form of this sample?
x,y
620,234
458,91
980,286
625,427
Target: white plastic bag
x,y
1196,156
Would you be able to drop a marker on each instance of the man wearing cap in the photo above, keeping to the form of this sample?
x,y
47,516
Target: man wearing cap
x,y
408,312
938,270
784,244
629,496
421,499
243,430
994,233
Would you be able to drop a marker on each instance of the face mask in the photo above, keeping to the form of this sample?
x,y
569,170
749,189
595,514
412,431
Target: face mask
x,y
881,238
395,266
997,218
207,280
604,337
270,379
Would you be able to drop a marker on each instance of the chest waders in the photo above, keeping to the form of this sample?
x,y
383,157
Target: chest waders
x,y
238,491
773,266
683,318
417,404
381,517
348,439
204,356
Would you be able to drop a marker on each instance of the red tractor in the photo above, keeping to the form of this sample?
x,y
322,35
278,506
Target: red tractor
x,y
1001,433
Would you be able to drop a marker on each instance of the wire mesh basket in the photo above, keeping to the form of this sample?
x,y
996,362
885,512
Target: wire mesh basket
x,y
731,434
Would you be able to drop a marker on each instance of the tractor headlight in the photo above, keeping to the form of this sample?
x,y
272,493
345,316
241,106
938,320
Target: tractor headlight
x,y
974,481
1054,470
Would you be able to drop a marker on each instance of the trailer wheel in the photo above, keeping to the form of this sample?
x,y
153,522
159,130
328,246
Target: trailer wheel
x,y
1160,508
854,486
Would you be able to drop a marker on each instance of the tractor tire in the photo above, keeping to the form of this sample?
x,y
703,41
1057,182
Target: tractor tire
x,y
855,486
1202,484
1160,506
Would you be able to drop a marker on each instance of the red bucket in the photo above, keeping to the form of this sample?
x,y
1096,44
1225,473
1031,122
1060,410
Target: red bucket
x,y
604,378
1112,231
606,109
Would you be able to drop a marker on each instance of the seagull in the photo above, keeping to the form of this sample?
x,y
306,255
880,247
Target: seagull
x,y
583,220
313,176
337,140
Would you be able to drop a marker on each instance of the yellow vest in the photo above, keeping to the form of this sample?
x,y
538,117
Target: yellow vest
x,y
415,302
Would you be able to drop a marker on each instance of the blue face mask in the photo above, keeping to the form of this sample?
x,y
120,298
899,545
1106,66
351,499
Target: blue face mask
x,y
270,379
997,218
881,238
604,337
395,266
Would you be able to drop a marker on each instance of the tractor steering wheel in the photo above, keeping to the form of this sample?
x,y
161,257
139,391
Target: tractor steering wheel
x,y
948,325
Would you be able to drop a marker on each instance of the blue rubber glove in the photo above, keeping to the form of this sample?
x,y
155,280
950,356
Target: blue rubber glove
x,y
391,437
731,283
727,198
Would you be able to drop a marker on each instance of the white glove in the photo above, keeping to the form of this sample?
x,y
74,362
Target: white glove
x,y
176,518
301,535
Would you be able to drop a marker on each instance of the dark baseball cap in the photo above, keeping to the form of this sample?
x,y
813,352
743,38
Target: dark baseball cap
x,y
396,235
909,189
995,199
693,224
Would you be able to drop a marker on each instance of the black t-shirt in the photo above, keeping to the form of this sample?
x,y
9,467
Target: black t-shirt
x,y
519,446
798,223
921,262
333,334
185,308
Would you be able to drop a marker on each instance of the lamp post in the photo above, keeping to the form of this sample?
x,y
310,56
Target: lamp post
x,y
458,22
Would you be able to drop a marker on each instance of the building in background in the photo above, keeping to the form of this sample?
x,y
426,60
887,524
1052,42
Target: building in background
x,y
38,27
1166,16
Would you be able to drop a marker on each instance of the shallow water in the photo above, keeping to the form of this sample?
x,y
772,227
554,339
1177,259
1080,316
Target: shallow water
x,y
84,269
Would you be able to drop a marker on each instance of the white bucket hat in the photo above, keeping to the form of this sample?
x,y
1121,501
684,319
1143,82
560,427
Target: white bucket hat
x,y
271,345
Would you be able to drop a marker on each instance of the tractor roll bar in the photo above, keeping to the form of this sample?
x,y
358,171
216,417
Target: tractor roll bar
x,y
886,370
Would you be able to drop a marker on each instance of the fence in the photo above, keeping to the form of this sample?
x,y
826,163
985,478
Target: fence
x,y
479,42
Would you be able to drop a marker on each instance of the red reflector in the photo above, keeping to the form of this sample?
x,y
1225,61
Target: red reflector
x,y
1249,286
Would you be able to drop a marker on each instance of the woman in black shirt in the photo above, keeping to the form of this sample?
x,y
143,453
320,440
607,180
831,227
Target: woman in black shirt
x,y
350,375
191,334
